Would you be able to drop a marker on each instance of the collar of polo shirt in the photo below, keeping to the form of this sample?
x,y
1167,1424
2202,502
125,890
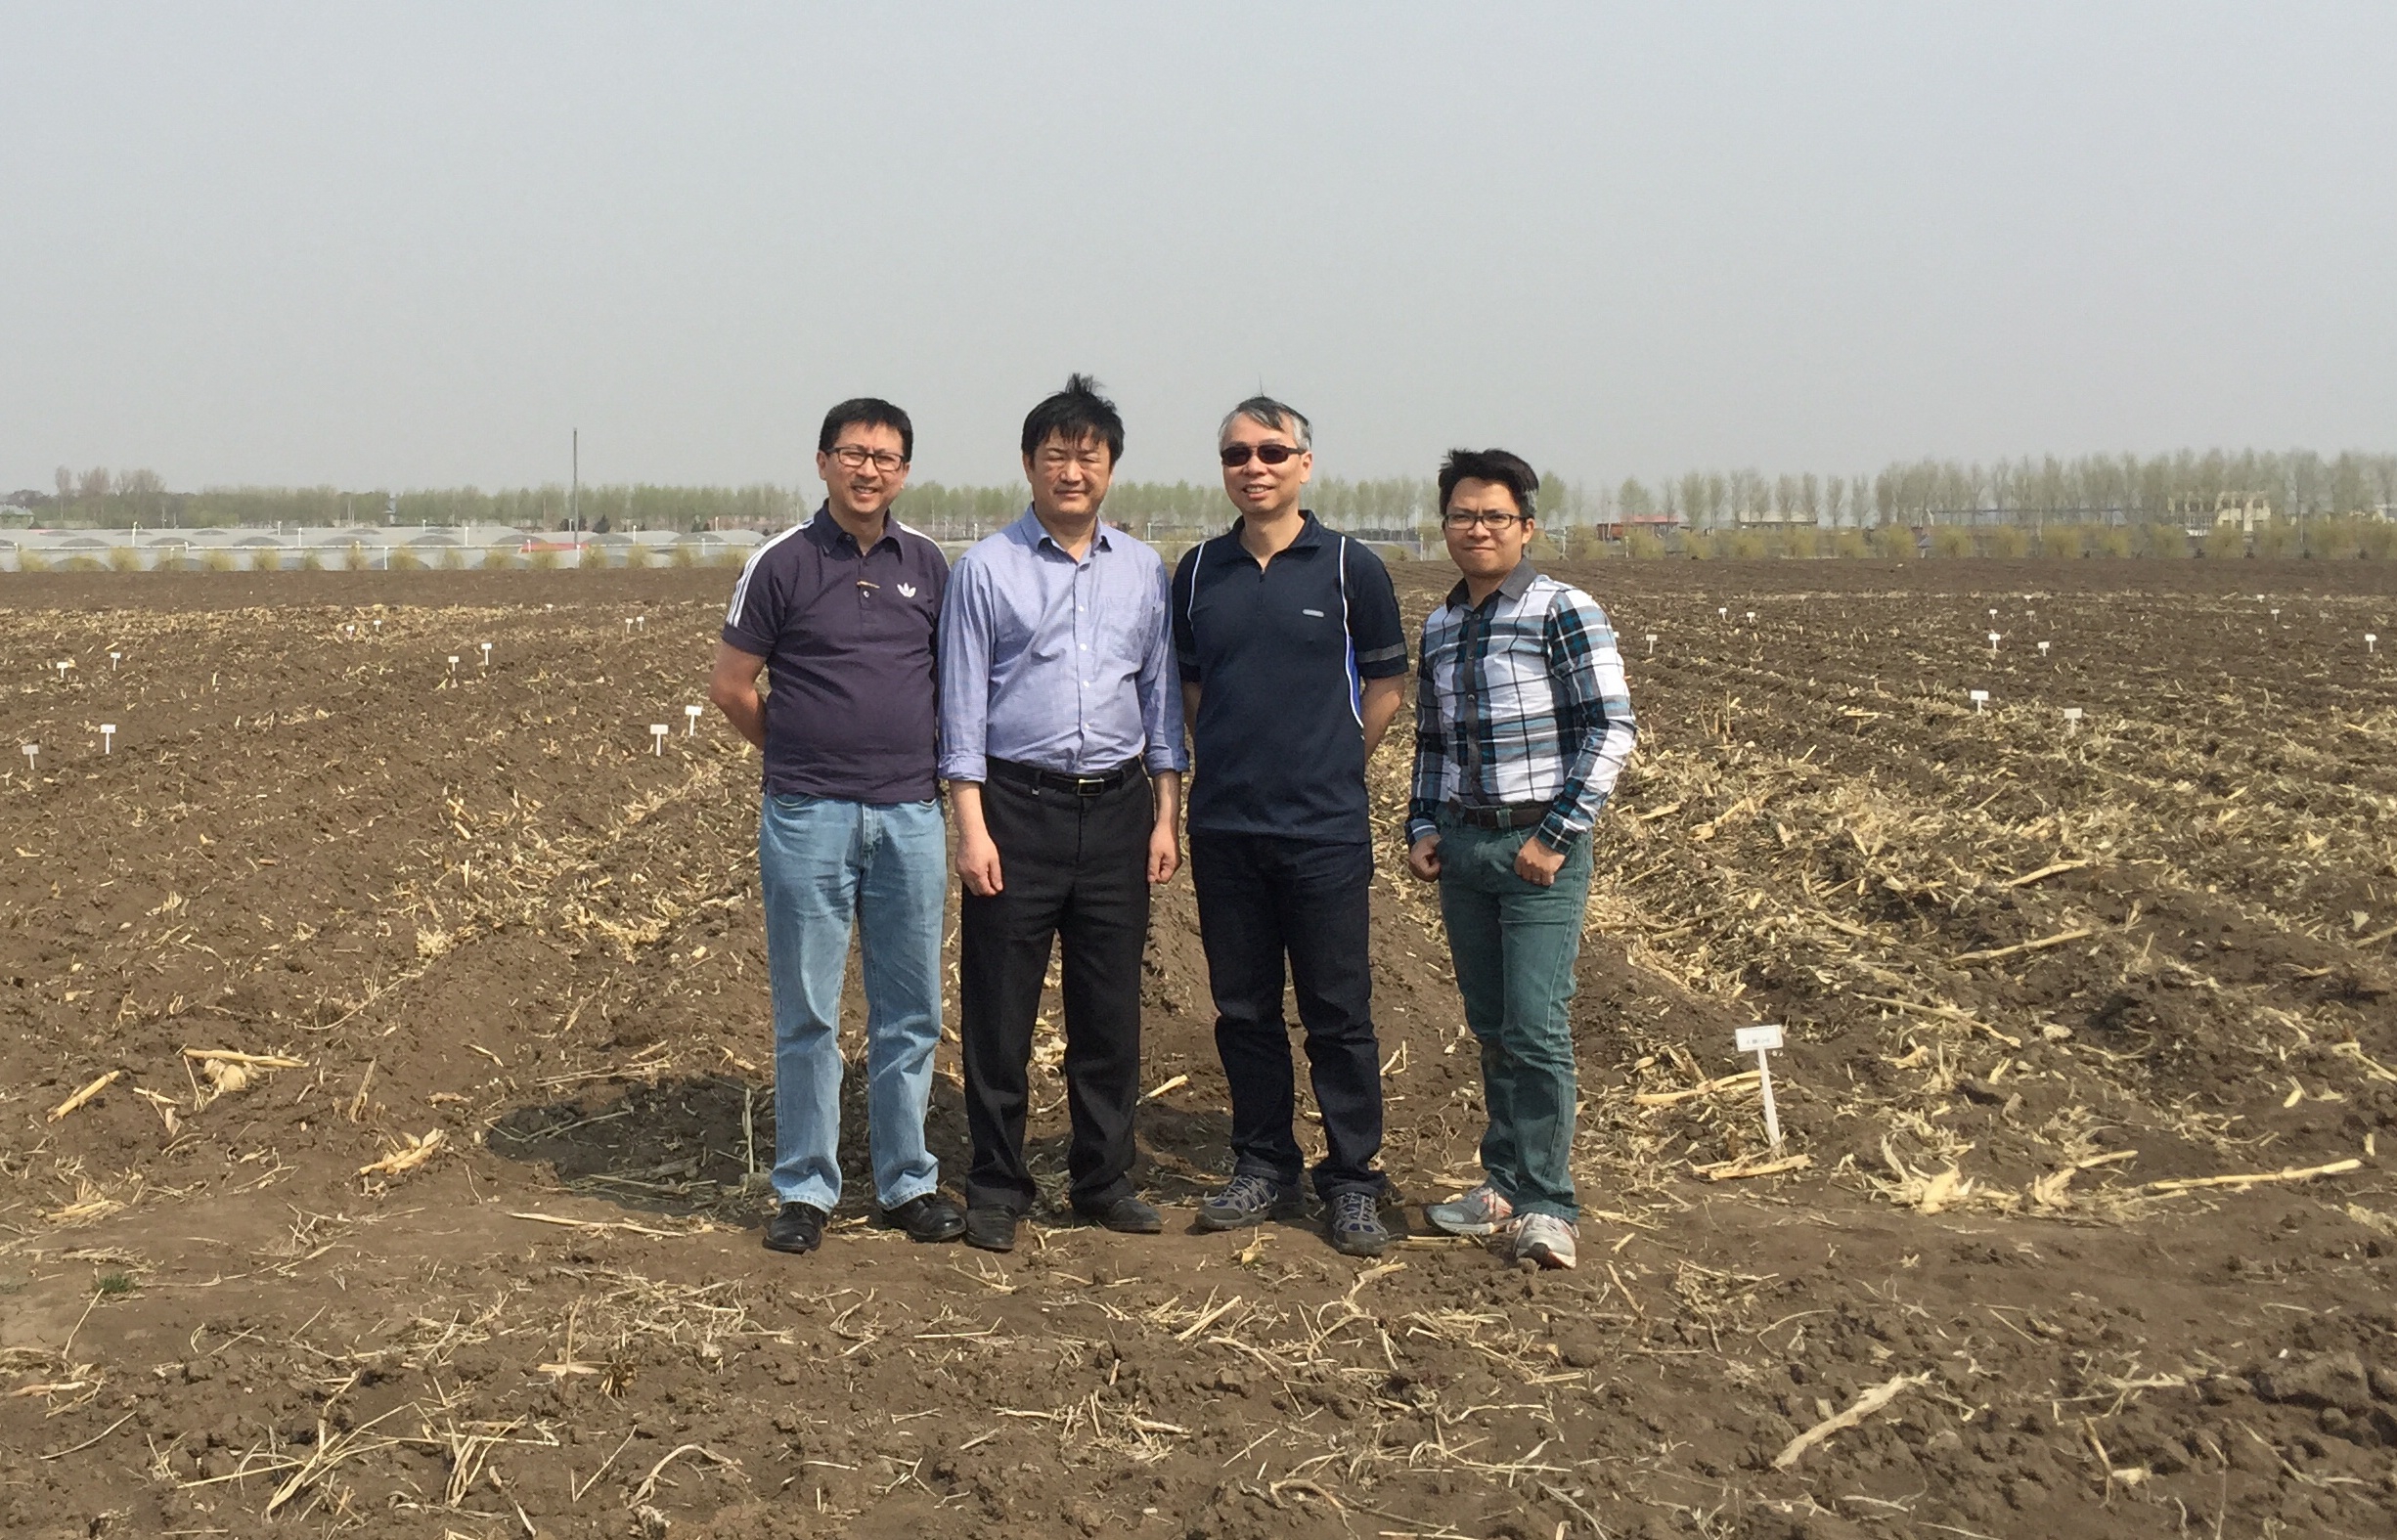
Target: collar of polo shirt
x,y
826,531
1309,537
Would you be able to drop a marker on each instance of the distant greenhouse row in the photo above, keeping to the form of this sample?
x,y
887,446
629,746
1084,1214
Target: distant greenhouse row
x,y
363,547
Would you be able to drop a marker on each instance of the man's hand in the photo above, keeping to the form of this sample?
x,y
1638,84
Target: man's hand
x,y
1536,863
977,851
1164,853
1423,858
978,862
1165,834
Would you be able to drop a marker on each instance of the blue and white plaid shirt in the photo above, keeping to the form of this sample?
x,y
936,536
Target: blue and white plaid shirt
x,y
1520,698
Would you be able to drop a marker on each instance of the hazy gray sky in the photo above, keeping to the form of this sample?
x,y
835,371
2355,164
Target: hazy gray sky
x,y
415,244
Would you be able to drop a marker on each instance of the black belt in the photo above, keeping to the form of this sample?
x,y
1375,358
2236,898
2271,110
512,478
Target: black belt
x,y
1057,780
1504,815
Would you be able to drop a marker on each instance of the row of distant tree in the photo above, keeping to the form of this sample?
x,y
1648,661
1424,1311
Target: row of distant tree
x,y
2185,488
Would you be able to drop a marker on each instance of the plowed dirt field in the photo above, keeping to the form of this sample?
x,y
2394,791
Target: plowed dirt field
x,y
384,1065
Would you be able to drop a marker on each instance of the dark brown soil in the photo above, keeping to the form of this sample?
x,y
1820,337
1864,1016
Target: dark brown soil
x,y
479,905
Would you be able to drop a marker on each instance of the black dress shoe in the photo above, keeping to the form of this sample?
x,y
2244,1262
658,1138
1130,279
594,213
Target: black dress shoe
x,y
928,1216
1129,1215
796,1227
990,1228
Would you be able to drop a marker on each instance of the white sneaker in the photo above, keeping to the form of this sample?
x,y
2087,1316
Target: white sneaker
x,y
1483,1211
1545,1239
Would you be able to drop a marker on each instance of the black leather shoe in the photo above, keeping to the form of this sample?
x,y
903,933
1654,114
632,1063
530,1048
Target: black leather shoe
x,y
1129,1215
796,1227
928,1216
993,1229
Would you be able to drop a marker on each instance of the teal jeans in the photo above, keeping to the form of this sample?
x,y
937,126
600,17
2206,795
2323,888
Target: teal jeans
x,y
1515,944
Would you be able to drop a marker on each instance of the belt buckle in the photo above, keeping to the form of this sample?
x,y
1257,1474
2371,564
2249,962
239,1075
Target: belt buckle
x,y
1090,785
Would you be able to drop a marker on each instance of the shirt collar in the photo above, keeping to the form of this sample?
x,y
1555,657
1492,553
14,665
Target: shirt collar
x,y
1036,534
826,531
1311,532
1514,586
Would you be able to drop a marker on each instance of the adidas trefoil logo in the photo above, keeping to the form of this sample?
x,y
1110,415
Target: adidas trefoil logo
x,y
907,591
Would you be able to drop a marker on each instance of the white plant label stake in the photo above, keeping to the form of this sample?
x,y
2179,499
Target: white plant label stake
x,y
1993,641
1980,700
108,737
2371,643
30,750
1723,610
1752,617
628,624
112,657
2072,719
643,621
453,665
1652,643
2043,649
486,646
62,666
1762,1041
657,737
690,723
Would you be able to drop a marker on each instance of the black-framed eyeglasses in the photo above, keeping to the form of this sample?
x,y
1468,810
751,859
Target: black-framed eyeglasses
x,y
1235,456
1492,519
857,456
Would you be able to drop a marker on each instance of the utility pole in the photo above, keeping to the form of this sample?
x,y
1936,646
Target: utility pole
x,y
574,495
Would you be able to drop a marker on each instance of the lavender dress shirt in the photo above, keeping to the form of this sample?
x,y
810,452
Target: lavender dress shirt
x,y
1064,665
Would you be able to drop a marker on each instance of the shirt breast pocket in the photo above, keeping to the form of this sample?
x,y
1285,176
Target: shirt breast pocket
x,y
1317,629
1129,634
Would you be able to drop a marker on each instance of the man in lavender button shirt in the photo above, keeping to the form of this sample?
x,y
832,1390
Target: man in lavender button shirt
x,y
1061,740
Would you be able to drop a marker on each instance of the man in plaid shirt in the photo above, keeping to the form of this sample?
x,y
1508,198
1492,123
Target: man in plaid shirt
x,y
1523,721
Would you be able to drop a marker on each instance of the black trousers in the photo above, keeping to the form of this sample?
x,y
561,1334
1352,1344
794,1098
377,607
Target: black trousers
x,y
1262,899
1073,869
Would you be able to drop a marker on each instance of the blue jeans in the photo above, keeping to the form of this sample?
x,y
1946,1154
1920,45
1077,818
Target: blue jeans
x,y
1515,944
823,863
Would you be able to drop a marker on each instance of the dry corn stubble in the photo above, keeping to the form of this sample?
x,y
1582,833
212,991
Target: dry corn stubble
x,y
1867,832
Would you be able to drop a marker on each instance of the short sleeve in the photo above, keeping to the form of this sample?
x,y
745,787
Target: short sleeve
x,y
1375,630
754,619
1185,634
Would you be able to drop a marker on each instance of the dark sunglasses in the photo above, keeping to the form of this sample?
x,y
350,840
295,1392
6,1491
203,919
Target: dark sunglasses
x,y
1235,456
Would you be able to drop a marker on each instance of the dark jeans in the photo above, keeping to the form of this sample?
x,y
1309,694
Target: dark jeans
x,y
1515,944
1075,869
1262,899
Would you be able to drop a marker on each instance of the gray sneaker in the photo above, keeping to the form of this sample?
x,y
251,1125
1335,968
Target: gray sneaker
x,y
1545,1239
1483,1211
1249,1199
1355,1224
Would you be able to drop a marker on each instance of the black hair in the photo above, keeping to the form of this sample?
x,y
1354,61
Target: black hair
x,y
1075,413
867,411
1511,471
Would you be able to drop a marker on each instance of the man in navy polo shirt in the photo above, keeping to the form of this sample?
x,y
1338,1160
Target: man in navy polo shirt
x,y
844,611
1292,655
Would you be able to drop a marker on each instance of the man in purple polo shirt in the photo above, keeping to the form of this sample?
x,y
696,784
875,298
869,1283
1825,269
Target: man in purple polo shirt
x,y
844,612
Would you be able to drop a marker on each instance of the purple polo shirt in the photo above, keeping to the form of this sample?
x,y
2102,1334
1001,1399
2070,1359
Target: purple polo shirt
x,y
849,639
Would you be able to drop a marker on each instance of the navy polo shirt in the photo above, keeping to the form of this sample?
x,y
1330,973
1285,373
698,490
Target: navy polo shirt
x,y
1280,654
848,637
